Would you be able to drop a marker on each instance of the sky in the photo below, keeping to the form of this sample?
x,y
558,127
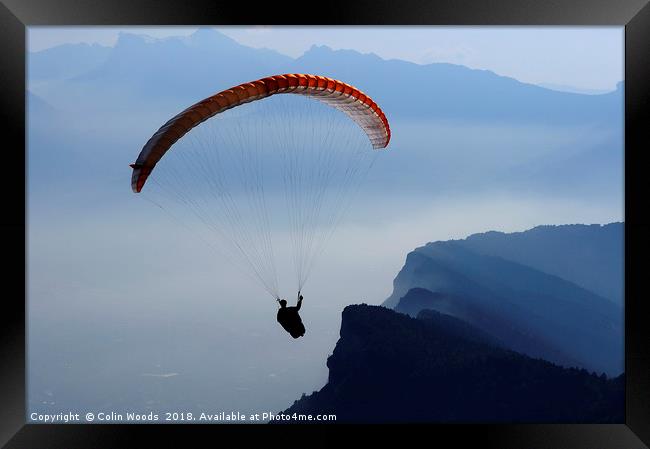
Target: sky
x,y
586,59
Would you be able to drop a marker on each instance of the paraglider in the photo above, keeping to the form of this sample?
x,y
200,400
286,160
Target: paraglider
x,y
238,153
289,318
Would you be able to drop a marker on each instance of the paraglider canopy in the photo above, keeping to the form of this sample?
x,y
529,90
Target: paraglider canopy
x,y
228,147
357,105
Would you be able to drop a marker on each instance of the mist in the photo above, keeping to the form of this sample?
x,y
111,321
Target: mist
x,y
126,315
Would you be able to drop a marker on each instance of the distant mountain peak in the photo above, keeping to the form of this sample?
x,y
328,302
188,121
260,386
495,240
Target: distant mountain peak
x,y
206,31
317,51
209,35
202,36
125,38
316,47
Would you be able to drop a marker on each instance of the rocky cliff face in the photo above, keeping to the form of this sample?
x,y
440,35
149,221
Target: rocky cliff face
x,y
509,286
389,367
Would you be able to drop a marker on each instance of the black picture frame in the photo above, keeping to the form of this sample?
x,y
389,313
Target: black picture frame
x,y
16,15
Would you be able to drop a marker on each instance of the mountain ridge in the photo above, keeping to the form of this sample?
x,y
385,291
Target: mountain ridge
x,y
388,367
441,114
535,312
203,52
208,32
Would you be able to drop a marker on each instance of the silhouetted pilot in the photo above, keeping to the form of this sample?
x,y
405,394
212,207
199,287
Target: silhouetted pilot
x,y
289,318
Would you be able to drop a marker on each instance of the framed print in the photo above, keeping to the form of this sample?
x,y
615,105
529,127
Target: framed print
x,y
355,223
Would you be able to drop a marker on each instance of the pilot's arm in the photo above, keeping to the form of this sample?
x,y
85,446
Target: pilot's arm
x,y
299,301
